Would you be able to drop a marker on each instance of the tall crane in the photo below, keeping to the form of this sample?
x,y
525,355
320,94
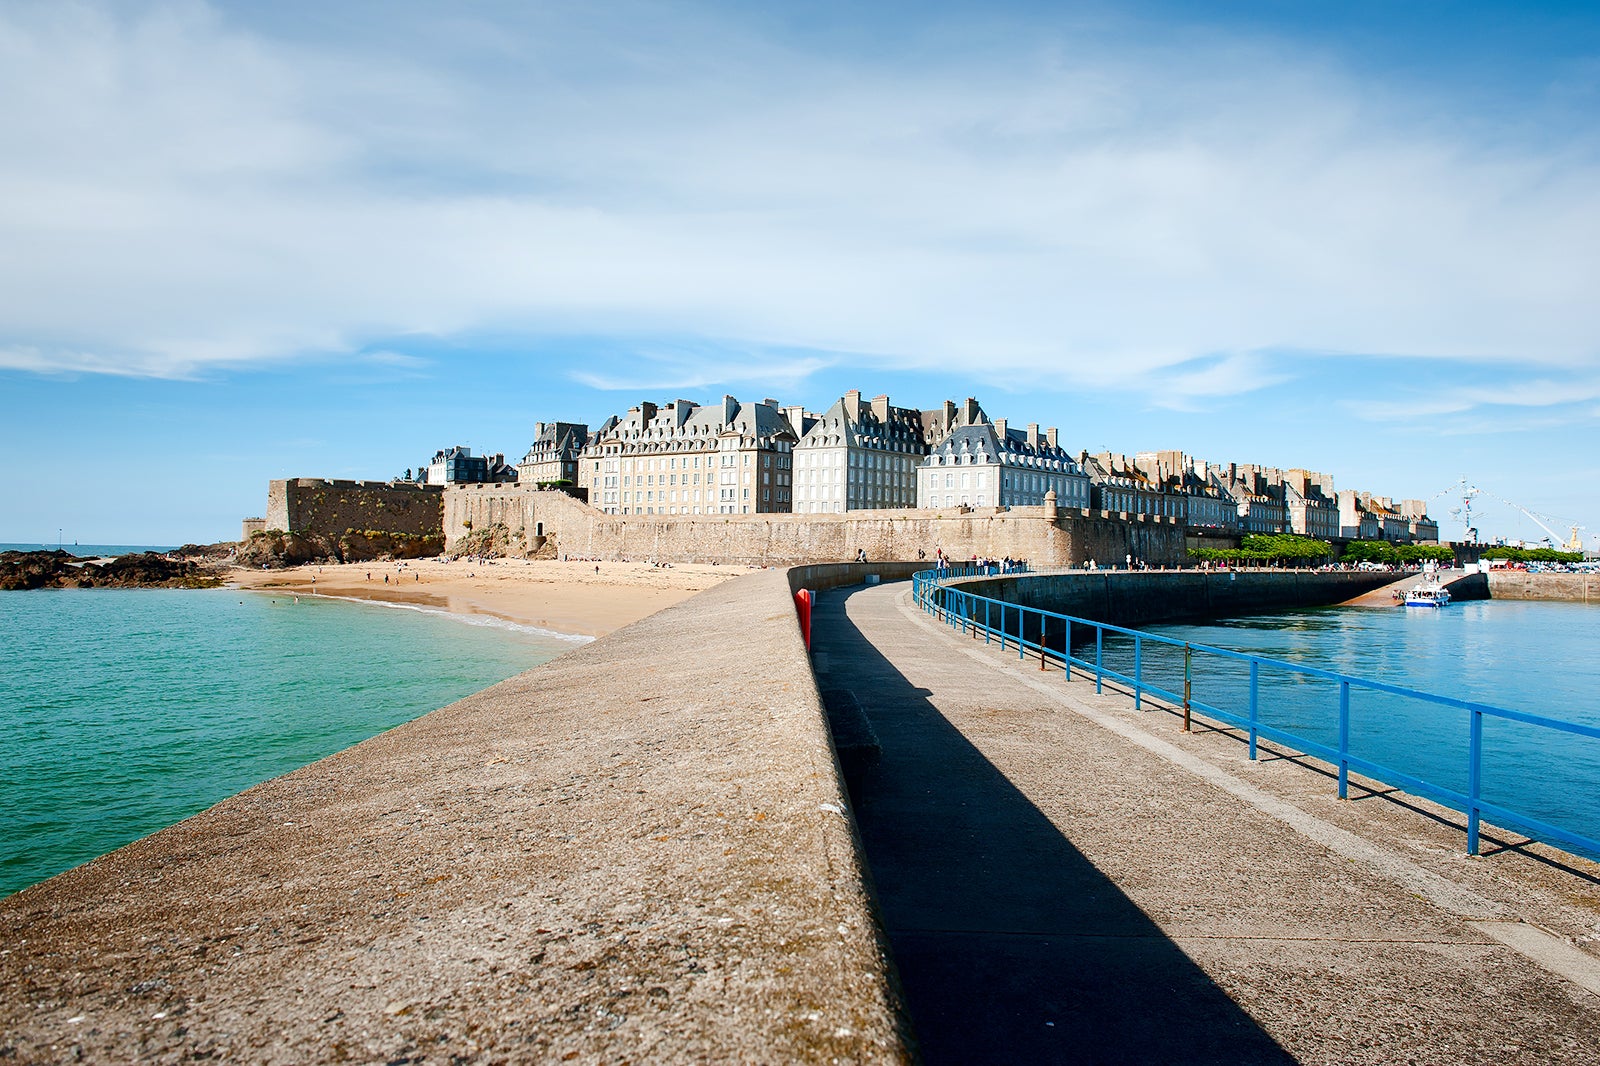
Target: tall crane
x,y
1572,542
1465,491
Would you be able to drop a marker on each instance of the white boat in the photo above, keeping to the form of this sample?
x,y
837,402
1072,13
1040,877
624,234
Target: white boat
x,y
1427,595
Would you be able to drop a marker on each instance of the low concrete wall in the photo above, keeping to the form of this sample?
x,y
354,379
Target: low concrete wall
x,y
1521,585
640,851
840,575
1135,598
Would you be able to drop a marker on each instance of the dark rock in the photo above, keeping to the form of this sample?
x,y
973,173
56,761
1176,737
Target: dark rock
x,y
59,569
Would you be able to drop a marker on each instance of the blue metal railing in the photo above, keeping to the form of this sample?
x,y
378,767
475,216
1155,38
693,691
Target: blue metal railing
x,y
1050,636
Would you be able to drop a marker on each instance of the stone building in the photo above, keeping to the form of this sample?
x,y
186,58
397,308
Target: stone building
x,y
685,458
1311,506
458,466
1424,530
980,463
1258,496
1149,484
857,456
554,454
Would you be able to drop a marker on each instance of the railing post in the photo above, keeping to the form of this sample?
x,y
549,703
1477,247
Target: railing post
x,y
1066,651
1344,740
1044,625
1187,663
1255,713
1099,647
986,629
1138,671
1474,779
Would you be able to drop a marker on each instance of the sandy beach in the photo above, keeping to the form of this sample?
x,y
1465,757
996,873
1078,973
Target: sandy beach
x,y
566,597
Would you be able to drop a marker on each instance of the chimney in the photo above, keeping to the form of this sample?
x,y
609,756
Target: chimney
x,y
769,402
880,407
1050,435
1033,434
796,417
730,407
970,412
1000,430
647,411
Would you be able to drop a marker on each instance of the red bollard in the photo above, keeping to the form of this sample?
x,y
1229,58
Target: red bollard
x,y
802,607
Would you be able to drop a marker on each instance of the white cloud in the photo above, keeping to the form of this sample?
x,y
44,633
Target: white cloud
x,y
184,191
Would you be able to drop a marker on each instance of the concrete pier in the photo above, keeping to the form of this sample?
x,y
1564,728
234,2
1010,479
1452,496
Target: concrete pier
x,y
1064,879
642,852
637,852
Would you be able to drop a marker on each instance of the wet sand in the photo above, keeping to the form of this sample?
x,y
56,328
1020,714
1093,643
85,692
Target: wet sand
x,y
565,597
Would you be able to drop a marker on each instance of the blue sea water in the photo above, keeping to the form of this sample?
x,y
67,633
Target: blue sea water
x,y
89,551
125,711
1534,657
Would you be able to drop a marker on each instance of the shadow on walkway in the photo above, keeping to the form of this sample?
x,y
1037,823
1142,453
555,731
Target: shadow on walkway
x,y
1012,947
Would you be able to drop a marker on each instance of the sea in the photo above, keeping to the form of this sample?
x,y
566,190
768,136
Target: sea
x,y
1539,658
123,711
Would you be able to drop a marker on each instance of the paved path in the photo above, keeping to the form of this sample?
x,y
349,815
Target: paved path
x,y
1066,880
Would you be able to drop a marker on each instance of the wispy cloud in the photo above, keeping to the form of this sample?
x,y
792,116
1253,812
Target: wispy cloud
x,y
186,188
652,368
1571,393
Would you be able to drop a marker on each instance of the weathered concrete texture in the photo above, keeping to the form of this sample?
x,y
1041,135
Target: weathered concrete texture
x,y
637,852
1043,536
1521,585
1064,879
1134,598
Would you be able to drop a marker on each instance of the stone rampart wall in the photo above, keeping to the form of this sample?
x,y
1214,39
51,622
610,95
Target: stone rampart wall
x,y
1521,585
318,506
1142,598
1030,533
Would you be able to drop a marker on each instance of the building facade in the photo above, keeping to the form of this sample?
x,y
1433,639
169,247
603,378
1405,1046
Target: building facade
x,y
554,454
458,466
684,458
988,464
857,456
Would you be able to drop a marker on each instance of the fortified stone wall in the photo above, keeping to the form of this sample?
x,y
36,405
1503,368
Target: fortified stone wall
x,y
1139,598
1521,585
320,506
1031,533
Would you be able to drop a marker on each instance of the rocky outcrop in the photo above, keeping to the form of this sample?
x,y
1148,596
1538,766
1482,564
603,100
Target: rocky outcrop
x,y
60,570
275,548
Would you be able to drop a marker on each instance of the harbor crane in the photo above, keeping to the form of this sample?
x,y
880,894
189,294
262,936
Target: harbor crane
x,y
1572,542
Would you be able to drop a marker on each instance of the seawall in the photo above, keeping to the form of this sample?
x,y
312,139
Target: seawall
x,y
638,851
1135,598
1043,536
1521,585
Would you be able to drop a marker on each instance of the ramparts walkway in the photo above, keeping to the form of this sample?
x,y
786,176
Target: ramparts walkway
x,y
1066,880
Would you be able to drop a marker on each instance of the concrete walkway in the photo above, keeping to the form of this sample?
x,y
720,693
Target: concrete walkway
x,y
1066,880
638,852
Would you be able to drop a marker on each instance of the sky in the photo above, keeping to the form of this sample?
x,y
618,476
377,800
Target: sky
x,y
241,241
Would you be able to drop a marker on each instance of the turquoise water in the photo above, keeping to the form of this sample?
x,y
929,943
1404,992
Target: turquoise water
x,y
124,711
1539,658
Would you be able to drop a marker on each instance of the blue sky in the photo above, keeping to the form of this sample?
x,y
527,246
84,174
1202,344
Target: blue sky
x,y
240,242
